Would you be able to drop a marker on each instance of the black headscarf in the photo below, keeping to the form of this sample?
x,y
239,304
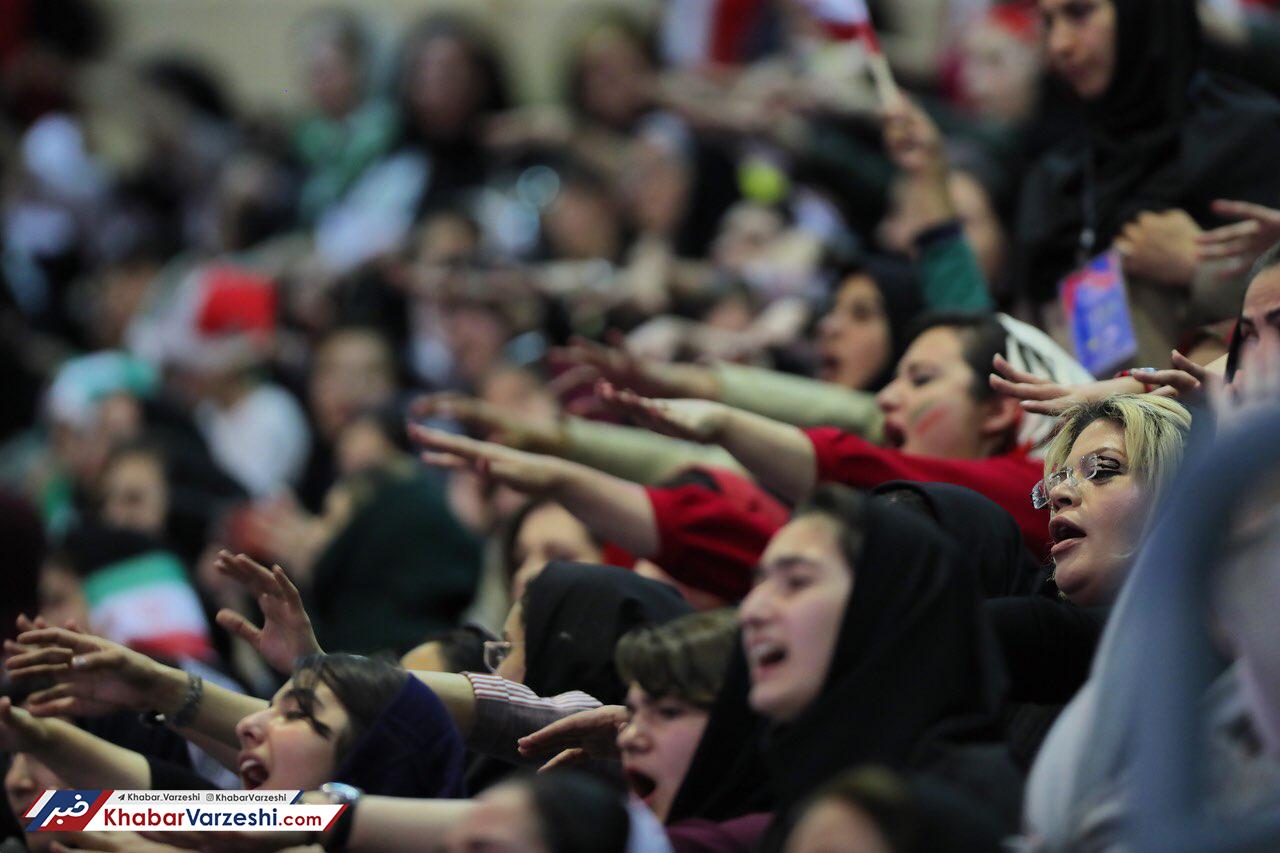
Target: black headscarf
x,y
987,535
901,296
574,615
915,661
1165,135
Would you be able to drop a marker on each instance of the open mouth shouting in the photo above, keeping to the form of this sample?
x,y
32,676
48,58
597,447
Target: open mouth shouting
x,y
1066,534
253,773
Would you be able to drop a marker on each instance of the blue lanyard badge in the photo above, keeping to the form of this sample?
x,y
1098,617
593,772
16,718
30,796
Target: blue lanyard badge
x,y
1097,309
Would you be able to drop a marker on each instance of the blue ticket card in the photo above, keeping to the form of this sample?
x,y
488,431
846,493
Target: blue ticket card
x,y
1096,307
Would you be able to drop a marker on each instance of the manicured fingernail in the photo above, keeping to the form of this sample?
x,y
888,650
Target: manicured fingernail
x,y
77,662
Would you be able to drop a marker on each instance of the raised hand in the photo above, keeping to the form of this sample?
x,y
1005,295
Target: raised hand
x,y
692,420
526,472
1237,246
912,140
1043,397
1161,247
542,435
286,632
616,364
94,676
586,734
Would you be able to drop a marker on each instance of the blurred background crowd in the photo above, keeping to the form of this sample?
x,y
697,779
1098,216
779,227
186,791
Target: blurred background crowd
x,y
237,239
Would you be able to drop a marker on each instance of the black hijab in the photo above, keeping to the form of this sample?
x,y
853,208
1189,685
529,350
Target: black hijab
x,y
574,615
984,531
1165,135
914,663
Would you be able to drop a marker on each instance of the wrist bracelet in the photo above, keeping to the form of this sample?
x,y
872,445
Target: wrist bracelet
x,y
195,692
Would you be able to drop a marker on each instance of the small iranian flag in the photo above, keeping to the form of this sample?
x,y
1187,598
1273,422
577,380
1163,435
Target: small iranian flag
x,y
846,20
146,602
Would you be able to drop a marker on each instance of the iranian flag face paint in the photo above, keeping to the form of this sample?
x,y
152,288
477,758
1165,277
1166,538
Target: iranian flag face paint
x,y
929,407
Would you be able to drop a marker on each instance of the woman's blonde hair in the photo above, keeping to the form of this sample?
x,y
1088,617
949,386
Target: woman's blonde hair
x,y
1155,431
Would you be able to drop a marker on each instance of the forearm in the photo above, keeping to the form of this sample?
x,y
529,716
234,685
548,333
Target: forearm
x,y
799,400
84,760
457,694
635,454
216,716
779,455
614,510
392,824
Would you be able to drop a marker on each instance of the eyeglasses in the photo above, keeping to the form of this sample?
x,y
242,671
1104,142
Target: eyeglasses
x,y
1089,468
495,652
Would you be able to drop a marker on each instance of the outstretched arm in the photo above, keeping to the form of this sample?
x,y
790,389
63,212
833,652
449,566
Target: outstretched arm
x,y
613,509
80,759
779,455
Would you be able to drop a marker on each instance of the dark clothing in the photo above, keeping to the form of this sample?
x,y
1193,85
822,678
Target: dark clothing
x,y
987,535
574,615
915,664
1047,645
404,566
1165,135
167,776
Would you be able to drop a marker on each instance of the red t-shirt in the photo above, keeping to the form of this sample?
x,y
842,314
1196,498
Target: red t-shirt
x,y
1006,479
711,539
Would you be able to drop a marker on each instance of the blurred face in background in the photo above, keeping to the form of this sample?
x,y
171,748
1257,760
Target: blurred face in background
x,y
353,370
333,77
1081,40
62,597
999,72
855,343
613,78
446,88
549,533
834,826
135,494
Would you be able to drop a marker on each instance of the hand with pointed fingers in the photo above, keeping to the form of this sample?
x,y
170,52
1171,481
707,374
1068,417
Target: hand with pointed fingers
x,y
93,675
1044,397
525,472
692,420
1237,246
286,632
586,734
912,140
543,435
613,363
19,730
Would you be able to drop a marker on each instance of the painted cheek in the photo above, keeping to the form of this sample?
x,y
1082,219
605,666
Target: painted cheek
x,y
927,418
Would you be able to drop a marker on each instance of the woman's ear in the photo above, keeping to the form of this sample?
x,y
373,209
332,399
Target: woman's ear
x,y
1000,417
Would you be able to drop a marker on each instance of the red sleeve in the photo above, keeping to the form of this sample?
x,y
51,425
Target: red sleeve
x,y
1008,479
710,539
